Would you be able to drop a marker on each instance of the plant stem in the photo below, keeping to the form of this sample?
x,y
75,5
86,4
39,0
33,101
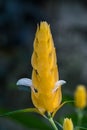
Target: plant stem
x,y
52,122
80,116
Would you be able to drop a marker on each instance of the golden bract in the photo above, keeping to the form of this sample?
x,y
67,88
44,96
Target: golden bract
x,y
80,97
67,125
45,71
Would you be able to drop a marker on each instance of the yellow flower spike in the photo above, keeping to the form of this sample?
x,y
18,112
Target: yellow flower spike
x,y
45,84
80,97
68,124
45,72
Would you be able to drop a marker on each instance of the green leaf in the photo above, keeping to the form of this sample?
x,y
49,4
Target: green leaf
x,y
20,111
29,120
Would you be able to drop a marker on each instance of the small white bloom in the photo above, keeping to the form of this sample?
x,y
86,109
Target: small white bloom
x,y
58,84
25,82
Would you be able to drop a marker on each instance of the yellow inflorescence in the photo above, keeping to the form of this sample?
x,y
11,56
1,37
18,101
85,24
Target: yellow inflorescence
x,y
45,71
67,125
80,97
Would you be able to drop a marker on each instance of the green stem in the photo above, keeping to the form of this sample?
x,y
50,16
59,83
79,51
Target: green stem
x,y
80,116
52,122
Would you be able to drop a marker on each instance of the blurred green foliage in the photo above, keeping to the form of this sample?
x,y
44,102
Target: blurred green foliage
x,y
29,120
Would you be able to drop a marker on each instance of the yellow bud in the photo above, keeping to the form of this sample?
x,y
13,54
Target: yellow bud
x,y
68,124
80,97
45,71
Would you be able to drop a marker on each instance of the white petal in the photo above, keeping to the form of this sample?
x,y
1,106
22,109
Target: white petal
x,y
25,82
58,84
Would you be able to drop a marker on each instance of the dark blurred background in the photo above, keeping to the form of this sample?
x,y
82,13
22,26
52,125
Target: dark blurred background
x,y
18,22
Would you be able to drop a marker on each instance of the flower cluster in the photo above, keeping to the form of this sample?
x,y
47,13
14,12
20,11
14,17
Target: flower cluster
x,y
45,85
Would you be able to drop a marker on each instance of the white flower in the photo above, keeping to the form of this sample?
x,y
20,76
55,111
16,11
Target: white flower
x,y
28,82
